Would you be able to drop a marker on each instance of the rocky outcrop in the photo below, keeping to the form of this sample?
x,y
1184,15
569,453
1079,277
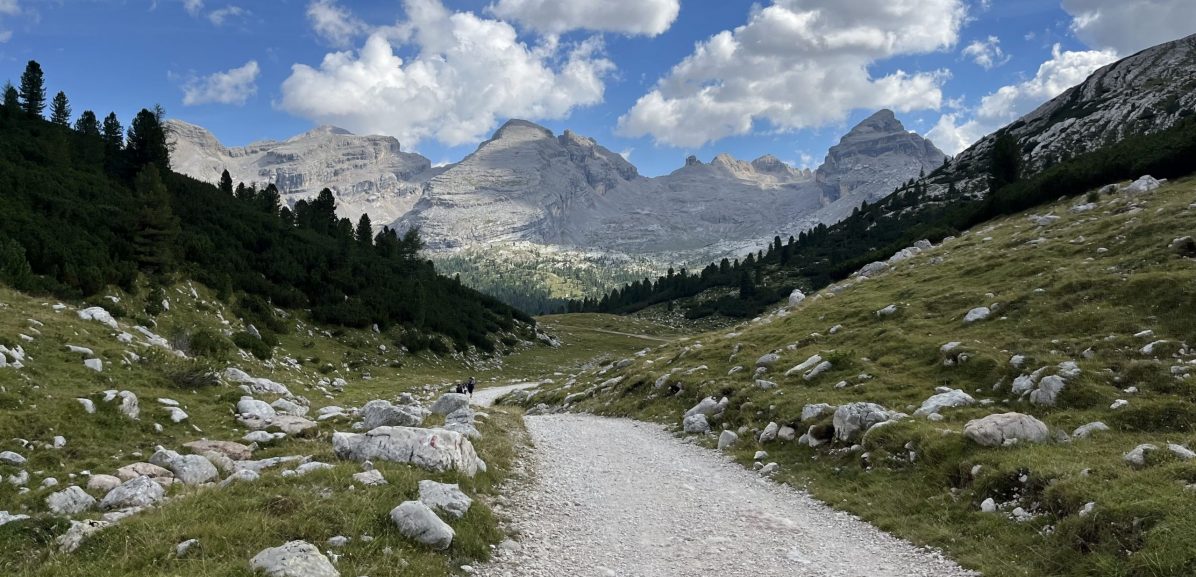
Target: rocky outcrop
x,y
433,449
874,157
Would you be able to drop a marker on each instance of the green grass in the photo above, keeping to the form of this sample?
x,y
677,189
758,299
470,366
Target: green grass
x,y
1056,300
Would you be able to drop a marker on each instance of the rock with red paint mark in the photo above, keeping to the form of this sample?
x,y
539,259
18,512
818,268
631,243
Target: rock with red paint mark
x,y
432,449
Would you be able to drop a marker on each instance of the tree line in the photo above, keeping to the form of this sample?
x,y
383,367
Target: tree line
x,y
89,204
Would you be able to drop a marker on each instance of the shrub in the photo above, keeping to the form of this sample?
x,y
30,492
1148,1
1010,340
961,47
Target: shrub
x,y
208,343
193,375
257,347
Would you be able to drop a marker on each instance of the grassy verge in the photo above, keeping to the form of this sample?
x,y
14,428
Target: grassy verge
x,y
1078,289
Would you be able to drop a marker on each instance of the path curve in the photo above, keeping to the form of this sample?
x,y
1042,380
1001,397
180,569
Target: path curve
x,y
615,497
486,397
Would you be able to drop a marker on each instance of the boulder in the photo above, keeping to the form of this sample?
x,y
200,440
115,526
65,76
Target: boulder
x,y
786,433
130,472
1182,452
234,451
768,360
189,469
287,424
450,402
380,413
139,492
695,424
816,411
1145,183
726,439
289,407
977,314
251,407
936,403
887,311
255,386
769,433
96,365
79,531
873,268
707,406
294,559
128,405
804,365
1006,429
1137,456
416,521
1047,392
102,483
70,501
371,478
852,420
796,297
433,449
99,315
240,475
1083,431
822,367
6,518
444,498
11,458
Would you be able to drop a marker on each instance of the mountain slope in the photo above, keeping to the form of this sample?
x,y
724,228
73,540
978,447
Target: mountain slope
x,y
1089,308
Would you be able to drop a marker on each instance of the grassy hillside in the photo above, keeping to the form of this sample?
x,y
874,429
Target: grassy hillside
x,y
38,402
1081,288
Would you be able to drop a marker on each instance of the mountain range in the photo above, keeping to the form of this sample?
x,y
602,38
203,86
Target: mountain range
x,y
527,184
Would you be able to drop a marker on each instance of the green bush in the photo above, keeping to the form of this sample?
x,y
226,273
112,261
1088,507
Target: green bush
x,y
193,375
208,343
257,347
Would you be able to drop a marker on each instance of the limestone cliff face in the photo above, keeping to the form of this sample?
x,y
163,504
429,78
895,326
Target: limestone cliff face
x,y
368,174
875,156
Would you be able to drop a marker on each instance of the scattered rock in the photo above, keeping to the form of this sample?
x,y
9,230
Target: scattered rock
x,y
371,478
433,449
1181,451
416,521
450,402
380,413
11,458
727,439
79,531
96,365
1047,392
294,559
1083,431
139,492
695,423
796,297
988,506
816,411
1144,184
99,315
444,498
887,311
947,399
102,483
769,433
977,314
70,501
189,469
181,549
6,518
768,360
852,420
234,451
1137,456
1006,428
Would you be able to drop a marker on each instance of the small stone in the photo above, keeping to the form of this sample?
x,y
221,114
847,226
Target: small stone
x,y
181,549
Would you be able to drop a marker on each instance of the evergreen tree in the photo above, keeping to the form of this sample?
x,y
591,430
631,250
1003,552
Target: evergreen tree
x,y
147,140
88,124
747,288
60,110
33,90
156,226
112,132
226,183
269,200
12,99
365,231
323,212
286,217
1005,164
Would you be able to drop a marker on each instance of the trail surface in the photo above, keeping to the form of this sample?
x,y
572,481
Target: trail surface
x,y
610,332
614,497
486,397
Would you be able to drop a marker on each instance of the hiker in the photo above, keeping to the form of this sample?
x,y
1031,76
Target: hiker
x,y
459,388
470,385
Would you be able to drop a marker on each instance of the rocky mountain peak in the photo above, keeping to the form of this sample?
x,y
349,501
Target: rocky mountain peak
x,y
872,156
515,130
882,123
692,160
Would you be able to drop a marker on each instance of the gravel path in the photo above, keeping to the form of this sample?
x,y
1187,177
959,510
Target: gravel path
x,y
614,497
486,397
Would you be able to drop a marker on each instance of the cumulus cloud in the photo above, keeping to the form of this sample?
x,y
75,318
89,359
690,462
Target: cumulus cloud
x,y
466,74
333,23
193,7
635,17
954,132
1128,26
7,8
798,64
230,87
986,53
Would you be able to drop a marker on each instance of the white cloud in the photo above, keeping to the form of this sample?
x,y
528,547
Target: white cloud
x,y
8,8
1128,26
222,15
626,154
193,7
333,23
986,53
635,17
797,64
467,73
1065,69
232,87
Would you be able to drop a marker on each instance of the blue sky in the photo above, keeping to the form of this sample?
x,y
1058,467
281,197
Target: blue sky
x,y
654,79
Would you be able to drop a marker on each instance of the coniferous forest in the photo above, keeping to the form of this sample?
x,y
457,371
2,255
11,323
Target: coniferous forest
x,y
86,203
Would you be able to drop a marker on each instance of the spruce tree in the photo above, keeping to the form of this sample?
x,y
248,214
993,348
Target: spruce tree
x,y
60,110
1005,164
156,226
33,90
269,200
226,183
147,140
12,100
112,132
88,124
365,231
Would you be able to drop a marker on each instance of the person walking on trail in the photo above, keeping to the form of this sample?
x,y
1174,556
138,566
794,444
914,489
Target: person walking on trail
x,y
470,385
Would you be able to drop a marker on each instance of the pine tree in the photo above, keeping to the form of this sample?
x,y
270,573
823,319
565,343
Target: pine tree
x,y
112,132
747,288
226,183
323,212
1005,164
269,200
147,140
60,110
365,231
12,100
88,124
33,90
156,226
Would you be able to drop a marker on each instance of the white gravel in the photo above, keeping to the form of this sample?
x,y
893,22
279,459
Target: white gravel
x,y
486,397
614,497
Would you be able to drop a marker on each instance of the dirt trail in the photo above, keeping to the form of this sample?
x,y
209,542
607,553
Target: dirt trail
x,y
614,497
